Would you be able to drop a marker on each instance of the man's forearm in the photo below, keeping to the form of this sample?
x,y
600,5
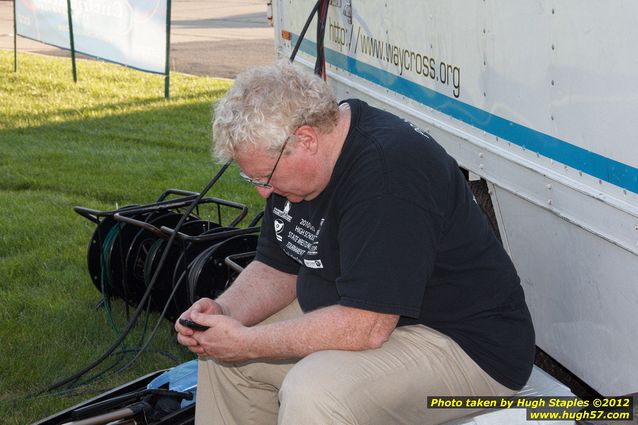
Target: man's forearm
x,y
331,328
257,293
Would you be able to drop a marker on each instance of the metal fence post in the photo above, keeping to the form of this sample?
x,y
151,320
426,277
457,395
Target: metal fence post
x,y
167,69
15,38
71,40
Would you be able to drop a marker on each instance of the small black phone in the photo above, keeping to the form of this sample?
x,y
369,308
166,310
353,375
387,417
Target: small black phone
x,y
194,326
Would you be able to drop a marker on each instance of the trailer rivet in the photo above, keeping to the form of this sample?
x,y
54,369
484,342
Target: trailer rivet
x,y
549,202
549,186
481,155
481,166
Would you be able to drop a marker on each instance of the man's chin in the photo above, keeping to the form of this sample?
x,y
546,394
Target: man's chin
x,y
294,199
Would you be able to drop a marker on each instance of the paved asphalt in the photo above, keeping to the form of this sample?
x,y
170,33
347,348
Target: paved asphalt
x,y
217,38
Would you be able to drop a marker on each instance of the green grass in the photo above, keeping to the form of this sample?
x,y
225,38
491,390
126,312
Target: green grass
x,y
109,139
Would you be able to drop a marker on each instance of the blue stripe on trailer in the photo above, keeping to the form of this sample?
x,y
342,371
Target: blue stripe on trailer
x,y
606,169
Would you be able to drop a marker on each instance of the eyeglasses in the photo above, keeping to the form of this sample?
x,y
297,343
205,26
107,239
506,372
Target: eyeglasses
x,y
266,185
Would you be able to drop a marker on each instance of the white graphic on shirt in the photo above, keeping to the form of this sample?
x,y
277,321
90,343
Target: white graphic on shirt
x,y
313,264
313,247
302,240
279,226
283,214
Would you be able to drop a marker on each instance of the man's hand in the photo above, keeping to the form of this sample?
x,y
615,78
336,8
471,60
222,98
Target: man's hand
x,y
204,306
226,339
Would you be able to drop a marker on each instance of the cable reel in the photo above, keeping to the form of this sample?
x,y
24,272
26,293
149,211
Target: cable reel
x,y
138,251
209,275
165,281
125,249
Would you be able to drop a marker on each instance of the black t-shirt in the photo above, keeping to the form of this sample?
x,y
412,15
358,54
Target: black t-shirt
x,y
397,230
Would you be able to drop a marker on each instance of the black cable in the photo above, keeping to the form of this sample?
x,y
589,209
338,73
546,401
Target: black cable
x,y
157,325
147,293
139,351
105,374
141,347
146,319
323,37
320,63
302,35
195,269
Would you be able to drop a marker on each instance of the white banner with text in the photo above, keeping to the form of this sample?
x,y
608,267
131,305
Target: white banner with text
x,y
128,32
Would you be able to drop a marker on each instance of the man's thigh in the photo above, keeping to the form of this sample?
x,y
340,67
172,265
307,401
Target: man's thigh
x,y
386,385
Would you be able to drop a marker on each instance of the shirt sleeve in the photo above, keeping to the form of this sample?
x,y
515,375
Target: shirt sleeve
x,y
387,253
268,250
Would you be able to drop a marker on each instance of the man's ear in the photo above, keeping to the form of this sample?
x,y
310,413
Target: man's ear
x,y
307,138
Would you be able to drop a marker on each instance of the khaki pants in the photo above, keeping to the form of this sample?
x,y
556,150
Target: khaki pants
x,y
384,386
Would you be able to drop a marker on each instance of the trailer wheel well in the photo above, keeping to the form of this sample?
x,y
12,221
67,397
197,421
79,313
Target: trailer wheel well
x,y
483,199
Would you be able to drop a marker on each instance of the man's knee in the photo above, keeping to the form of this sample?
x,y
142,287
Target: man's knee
x,y
305,384
309,392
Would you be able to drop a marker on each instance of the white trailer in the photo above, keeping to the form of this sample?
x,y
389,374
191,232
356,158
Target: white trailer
x,y
540,99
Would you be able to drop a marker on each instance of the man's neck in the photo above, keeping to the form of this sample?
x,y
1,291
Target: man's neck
x,y
339,134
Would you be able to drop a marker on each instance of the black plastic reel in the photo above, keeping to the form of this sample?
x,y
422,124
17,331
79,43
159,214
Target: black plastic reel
x,y
138,251
165,281
208,275
116,245
99,252
189,254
